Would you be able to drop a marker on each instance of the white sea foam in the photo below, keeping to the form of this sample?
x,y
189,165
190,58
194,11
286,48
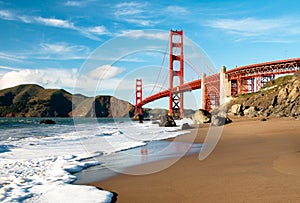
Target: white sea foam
x,y
40,168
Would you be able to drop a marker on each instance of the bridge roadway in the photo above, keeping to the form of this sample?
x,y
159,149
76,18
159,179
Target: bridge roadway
x,y
243,72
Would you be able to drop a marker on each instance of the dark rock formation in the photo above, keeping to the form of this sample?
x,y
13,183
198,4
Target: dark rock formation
x,y
47,121
167,121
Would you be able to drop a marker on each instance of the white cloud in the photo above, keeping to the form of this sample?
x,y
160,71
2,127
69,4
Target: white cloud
x,y
11,57
55,22
99,30
135,13
145,34
69,79
105,72
141,22
51,78
89,32
253,27
4,14
129,8
9,68
75,3
63,48
78,3
47,51
178,10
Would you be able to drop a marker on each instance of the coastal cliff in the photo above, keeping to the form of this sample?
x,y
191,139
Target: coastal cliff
x,y
279,98
34,101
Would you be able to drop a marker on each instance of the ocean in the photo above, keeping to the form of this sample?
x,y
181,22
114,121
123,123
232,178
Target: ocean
x,y
42,162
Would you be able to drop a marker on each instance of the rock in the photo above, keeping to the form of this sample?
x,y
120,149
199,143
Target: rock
x,y
201,116
220,111
185,126
293,93
10,115
282,95
167,121
220,120
237,109
135,117
47,121
252,111
275,101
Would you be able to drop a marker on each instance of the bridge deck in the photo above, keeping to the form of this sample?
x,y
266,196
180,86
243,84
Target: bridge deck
x,y
243,72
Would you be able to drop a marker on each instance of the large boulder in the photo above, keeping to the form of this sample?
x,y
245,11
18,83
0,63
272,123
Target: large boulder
x,y
201,116
220,120
167,121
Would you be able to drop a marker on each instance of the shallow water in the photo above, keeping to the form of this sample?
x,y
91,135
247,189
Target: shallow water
x,y
117,163
36,158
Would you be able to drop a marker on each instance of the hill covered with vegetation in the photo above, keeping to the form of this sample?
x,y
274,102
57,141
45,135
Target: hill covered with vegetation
x,y
35,101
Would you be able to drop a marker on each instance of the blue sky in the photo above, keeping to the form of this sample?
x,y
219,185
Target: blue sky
x,y
49,42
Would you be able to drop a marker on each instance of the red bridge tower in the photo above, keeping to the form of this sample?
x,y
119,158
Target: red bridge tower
x,y
138,96
176,72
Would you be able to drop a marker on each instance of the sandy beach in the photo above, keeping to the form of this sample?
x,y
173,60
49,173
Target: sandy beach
x,y
254,161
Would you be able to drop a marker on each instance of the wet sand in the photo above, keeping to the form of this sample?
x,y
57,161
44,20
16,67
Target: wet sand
x,y
254,161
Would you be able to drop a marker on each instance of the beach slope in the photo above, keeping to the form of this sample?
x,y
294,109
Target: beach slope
x,y
254,161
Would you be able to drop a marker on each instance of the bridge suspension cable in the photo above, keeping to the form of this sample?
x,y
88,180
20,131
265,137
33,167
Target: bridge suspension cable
x,y
160,70
197,54
165,80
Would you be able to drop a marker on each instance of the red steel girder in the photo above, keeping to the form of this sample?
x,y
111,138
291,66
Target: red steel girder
x,y
265,69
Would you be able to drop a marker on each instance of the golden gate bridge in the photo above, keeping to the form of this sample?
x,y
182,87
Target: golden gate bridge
x,y
217,88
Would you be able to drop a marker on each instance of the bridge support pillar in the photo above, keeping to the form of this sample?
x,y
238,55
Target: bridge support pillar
x,y
203,91
138,96
176,70
225,86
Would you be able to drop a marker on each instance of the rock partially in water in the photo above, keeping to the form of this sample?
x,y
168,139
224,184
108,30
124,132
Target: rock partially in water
x,y
167,121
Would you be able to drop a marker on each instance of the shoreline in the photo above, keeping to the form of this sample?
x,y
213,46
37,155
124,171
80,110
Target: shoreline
x,y
253,161
153,151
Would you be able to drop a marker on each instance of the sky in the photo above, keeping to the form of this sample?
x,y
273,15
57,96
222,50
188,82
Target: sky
x,y
100,47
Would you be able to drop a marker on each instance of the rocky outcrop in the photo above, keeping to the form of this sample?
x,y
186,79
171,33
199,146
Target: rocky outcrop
x,y
201,116
281,98
219,116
